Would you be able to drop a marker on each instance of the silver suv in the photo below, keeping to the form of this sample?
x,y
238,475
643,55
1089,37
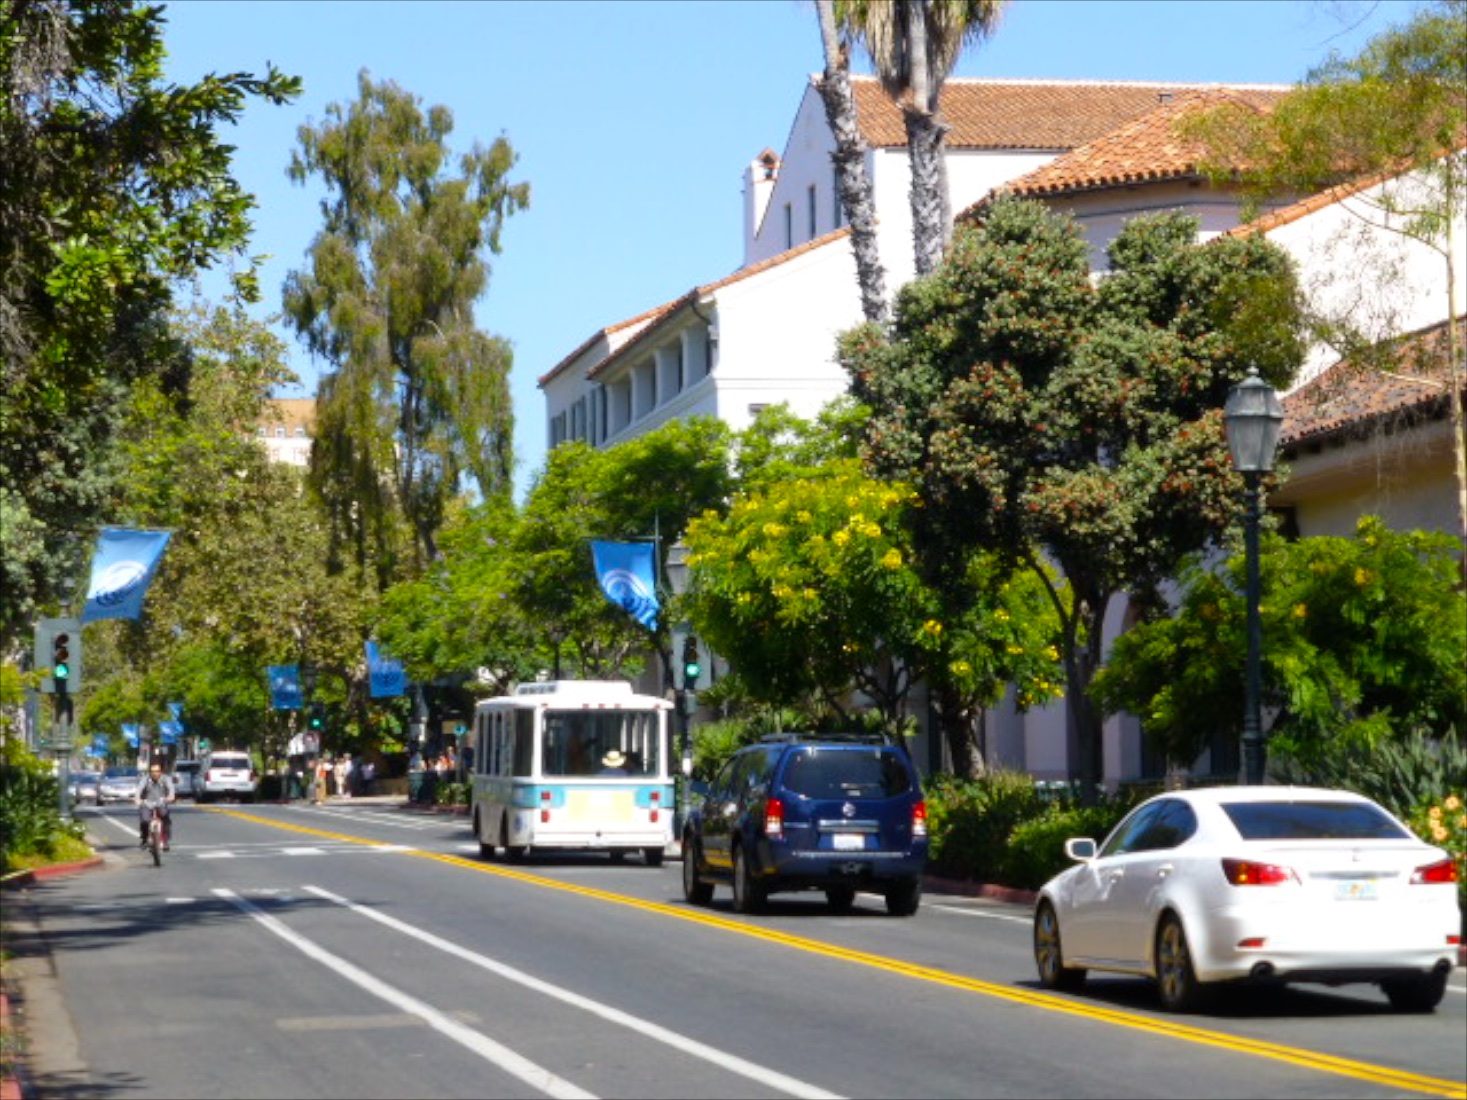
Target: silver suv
x,y
226,773
186,778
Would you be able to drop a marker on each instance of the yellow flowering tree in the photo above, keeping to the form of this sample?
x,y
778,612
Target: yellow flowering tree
x,y
806,587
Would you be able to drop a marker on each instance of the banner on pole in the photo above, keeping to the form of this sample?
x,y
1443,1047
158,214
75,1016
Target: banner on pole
x,y
626,572
385,674
122,568
285,687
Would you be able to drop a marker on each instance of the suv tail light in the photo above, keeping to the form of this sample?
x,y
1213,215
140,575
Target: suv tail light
x,y
774,818
919,819
1437,873
1245,872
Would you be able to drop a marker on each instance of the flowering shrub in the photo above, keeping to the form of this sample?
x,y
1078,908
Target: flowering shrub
x,y
1444,823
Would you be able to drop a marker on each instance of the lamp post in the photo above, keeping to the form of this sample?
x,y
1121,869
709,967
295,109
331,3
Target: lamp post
x,y
1253,416
677,581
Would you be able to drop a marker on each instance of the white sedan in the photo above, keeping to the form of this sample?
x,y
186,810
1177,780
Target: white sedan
x,y
1282,884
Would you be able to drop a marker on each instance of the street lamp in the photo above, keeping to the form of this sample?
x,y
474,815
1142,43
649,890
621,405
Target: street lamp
x,y
677,580
1253,416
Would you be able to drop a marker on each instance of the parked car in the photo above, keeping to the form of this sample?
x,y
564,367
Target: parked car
x,y
802,812
83,785
118,784
1268,884
185,778
226,773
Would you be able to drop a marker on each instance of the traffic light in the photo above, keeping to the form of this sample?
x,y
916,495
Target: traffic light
x,y
61,659
58,654
317,719
691,668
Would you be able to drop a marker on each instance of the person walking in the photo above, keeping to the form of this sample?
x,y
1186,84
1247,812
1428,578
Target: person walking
x,y
340,772
323,775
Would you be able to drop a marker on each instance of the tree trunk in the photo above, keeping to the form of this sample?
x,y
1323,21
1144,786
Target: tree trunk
x,y
850,166
925,152
956,721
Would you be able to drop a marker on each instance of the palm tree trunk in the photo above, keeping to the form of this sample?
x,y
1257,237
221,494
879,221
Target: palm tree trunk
x,y
850,166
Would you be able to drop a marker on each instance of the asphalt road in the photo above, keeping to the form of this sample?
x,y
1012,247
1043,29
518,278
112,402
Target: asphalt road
x,y
361,950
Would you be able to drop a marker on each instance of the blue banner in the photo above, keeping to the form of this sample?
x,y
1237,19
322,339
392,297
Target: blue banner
x,y
101,744
285,687
175,709
122,568
626,572
384,673
170,732
132,732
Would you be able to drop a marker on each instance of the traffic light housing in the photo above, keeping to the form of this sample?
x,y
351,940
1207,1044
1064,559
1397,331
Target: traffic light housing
x,y
317,719
58,654
692,669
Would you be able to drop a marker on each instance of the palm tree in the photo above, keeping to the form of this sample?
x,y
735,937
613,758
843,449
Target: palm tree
x,y
850,163
914,45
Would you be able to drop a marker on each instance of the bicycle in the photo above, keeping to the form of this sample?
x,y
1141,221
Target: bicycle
x,y
157,833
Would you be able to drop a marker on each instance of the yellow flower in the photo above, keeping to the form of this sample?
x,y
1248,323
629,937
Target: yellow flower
x,y
1015,650
1051,653
1439,833
1001,615
840,538
932,626
1435,813
1362,577
1452,803
803,516
892,559
872,530
1300,611
961,668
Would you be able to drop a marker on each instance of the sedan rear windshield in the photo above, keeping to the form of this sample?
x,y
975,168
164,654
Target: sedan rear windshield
x,y
1312,821
847,773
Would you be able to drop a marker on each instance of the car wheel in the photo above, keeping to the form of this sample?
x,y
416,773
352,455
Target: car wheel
x,y
653,856
1416,994
903,898
1049,959
1176,980
748,894
840,898
695,889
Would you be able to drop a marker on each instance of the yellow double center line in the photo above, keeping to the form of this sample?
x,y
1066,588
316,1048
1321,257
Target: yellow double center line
x,y
1236,1044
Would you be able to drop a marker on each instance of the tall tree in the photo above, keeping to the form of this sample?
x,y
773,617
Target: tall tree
x,y
914,45
850,163
1393,117
416,399
1068,423
114,185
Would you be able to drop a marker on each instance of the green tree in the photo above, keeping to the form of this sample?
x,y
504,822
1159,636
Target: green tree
x,y
1392,123
914,45
114,185
1068,423
415,402
1363,642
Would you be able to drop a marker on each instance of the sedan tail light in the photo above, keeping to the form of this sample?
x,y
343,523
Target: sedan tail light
x,y
1247,872
919,819
774,818
1437,873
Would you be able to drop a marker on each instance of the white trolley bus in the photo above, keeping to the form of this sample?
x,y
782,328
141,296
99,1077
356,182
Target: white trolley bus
x,y
573,764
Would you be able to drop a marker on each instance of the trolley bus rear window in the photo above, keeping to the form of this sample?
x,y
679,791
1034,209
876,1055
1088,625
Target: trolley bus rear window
x,y
575,741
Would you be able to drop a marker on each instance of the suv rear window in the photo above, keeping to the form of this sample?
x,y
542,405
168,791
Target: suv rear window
x,y
1312,821
846,773
239,763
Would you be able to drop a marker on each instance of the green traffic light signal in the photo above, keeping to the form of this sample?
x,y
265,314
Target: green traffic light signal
x,y
692,668
61,657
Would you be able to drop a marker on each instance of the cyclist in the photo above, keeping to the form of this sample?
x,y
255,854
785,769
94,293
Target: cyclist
x,y
154,788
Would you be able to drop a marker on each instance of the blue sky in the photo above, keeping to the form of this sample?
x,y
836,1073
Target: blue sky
x,y
634,119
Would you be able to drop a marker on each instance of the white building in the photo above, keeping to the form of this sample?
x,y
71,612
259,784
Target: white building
x,y
285,430
1104,152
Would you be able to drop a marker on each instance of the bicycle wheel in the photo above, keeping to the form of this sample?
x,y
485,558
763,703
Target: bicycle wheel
x,y
155,841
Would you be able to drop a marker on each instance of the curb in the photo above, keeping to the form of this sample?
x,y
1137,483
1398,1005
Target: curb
x,y
50,870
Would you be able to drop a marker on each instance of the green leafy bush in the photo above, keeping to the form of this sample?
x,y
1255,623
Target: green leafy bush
x,y
1402,774
32,830
1036,848
969,822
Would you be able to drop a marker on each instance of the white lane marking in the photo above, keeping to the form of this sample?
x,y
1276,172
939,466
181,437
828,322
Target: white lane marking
x,y
986,913
762,1074
496,1053
304,851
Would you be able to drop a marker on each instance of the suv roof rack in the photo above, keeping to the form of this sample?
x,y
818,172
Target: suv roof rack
x,y
845,738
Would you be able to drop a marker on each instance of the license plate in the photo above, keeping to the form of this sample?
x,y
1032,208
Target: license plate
x,y
1355,891
847,842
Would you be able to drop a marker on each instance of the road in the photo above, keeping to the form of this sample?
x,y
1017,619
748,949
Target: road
x,y
361,950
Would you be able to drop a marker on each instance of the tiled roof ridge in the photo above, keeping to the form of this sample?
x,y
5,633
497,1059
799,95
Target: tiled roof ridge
x,y
1115,158
609,330
1065,82
1285,215
1346,398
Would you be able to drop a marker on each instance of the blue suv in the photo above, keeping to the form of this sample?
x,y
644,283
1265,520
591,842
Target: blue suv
x,y
810,812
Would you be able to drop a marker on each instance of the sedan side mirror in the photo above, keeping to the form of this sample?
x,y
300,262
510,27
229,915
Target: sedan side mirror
x,y
1080,848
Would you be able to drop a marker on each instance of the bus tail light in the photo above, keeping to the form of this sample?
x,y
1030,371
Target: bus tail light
x,y
656,801
544,806
774,818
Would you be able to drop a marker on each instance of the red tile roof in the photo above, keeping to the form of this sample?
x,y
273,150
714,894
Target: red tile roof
x,y
1145,150
1028,114
1353,399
